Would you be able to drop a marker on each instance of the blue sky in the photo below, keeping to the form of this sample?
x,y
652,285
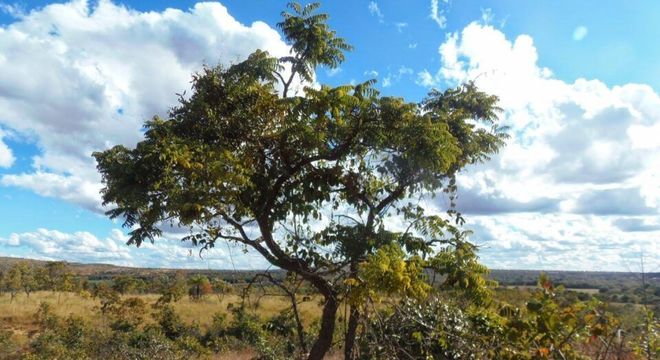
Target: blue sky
x,y
576,188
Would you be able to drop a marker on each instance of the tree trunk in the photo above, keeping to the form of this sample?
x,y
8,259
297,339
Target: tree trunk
x,y
299,325
351,332
354,317
324,340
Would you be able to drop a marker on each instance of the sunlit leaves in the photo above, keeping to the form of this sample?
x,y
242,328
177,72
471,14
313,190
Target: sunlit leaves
x,y
315,175
312,41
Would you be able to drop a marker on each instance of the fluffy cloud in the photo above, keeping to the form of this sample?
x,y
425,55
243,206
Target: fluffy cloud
x,y
69,188
85,247
579,174
109,69
634,224
569,141
562,242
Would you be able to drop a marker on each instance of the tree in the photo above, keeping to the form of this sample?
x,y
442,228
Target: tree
x,y
173,290
12,281
199,286
308,180
58,277
221,288
28,280
124,284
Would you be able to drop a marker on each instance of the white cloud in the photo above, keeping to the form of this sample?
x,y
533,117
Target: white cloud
x,y
487,16
567,242
375,10
6,155
69,188
371,73
424,78
167,252
412,46
400,26
394,77
333,72
580,33
437,14
14,10
53,244
582,158
78,78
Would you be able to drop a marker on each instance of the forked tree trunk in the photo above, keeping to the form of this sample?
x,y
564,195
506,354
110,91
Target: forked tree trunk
x,y
324,340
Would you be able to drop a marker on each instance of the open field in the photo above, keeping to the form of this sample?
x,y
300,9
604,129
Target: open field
x,y
579,290
19,315
198,314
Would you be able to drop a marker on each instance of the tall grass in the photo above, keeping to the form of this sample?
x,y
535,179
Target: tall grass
x,y
19,315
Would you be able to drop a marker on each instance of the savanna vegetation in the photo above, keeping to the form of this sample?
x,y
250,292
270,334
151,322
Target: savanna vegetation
x,y
141,313
328,184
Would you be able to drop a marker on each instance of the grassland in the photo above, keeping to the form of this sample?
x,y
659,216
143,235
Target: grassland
x,y
622,293
19,315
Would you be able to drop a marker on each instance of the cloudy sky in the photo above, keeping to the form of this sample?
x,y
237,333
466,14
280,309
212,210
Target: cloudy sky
x,y
577,187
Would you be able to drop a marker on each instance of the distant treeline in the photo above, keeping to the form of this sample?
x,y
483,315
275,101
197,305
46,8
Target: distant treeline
x,y
615,287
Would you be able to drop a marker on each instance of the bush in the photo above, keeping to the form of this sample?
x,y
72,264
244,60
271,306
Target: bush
x,y
170,322
7,345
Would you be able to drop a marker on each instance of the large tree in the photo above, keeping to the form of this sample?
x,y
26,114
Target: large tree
x,y
312,180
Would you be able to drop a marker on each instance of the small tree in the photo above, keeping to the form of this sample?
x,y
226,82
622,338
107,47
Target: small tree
x,y
28,279
173,290
124,284
221,288
309,180
199,286
58,277
12,282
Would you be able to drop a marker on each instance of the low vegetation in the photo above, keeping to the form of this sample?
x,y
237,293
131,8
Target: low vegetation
x,y
182,315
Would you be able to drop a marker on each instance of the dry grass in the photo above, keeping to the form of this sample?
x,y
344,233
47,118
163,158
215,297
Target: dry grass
x,y
19,315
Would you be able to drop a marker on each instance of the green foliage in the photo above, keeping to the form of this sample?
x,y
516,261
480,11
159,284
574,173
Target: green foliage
x,y
125,284
170,322
239,152
28,279
12,280
543,323
127,314
58,276
173,290
221,288
462,272
647,341
432,330
387,272
199,286
544,329
73,338
7,345
312,41
58,339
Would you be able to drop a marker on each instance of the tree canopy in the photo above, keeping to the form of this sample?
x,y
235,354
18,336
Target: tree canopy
x,y
312,181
